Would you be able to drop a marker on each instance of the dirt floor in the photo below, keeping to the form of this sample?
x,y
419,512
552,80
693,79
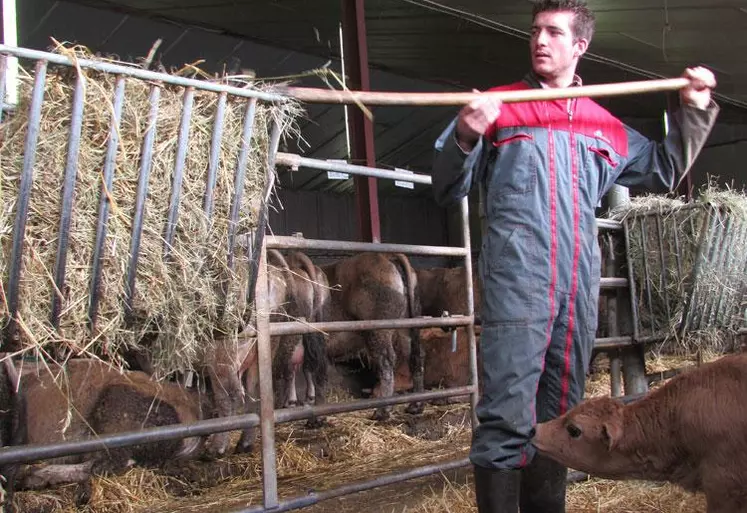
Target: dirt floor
x,y
351,448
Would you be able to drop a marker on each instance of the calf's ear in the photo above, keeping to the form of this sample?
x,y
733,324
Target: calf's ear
x,y
612,433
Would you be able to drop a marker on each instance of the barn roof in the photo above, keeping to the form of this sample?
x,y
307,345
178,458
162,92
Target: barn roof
x,y
455,45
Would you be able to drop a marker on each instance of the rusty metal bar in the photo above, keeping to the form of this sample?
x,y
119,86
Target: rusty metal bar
x,y
220,114
142,191
361,127
264,363
664,268
707,227
239,177
646,276
313,497
298,328
328,409
103,214
68,190
613,283
677,246
3,78
137,72
259,233
609,224
471,339
24,197
285,242
181,157
631,282
295,161
616,387
716,242
720,269
36,452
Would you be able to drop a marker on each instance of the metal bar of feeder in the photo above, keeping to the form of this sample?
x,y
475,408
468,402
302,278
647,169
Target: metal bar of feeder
x,y
285,242
713,258
298,328
259,232
609,224
296,161
142,190
646,275
239,177
24,197
3,72
328,409
212,176
662,260
68,191
36,452
707,227
266,399
181,157
733,294
613,283
470,309
631,282
103,214
140,73
721,269
313,497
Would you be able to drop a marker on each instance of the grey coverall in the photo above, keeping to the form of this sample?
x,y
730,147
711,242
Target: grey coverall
x,y
543,167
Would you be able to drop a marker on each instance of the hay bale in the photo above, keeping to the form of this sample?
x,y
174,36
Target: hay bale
x,y
180,302
689,262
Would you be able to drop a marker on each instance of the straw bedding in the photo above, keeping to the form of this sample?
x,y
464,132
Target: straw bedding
x,y
698,285
180,301
354,448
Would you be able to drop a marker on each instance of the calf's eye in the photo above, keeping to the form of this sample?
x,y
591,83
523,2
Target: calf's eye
x,y
573,431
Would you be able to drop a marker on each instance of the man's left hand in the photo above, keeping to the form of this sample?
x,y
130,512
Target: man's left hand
x,y
698,93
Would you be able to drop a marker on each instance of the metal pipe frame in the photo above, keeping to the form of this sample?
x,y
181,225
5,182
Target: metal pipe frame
x,y
36,452
268,416
149,76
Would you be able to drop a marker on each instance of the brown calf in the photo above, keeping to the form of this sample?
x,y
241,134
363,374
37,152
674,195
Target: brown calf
x,y
690,432
372,286
88,398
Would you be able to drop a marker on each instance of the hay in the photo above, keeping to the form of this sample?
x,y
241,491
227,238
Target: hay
x,y
692,258
181,301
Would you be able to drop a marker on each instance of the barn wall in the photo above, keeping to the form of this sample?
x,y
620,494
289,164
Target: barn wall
x,y
322,215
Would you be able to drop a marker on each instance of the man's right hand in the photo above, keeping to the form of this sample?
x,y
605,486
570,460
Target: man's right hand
x,y
474,119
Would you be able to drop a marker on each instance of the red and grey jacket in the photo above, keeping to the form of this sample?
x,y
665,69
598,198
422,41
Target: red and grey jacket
x,y
544,167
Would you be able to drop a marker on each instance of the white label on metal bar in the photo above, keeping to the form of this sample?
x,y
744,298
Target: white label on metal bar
x,y
401,183
337,175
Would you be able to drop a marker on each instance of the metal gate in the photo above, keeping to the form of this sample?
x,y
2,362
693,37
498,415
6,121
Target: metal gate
x,y
268,416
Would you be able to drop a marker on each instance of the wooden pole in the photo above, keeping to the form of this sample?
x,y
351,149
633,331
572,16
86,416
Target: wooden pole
x,y
317,95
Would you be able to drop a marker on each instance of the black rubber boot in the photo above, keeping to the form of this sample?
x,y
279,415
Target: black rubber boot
x,y
543,485
497,490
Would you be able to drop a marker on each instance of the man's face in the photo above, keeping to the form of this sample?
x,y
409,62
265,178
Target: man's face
x,y
554,51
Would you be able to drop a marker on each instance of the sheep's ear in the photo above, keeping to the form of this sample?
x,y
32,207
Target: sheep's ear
x,y
612,433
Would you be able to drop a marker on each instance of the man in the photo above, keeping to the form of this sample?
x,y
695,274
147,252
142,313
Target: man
x,y
542,168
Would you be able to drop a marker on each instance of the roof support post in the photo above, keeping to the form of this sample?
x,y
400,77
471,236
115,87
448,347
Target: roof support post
x,y
360,127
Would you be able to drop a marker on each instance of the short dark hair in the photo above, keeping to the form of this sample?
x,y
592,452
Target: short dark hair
x,y
583,18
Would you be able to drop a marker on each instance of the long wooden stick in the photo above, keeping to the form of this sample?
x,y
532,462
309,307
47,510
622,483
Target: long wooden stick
x,y
317,95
